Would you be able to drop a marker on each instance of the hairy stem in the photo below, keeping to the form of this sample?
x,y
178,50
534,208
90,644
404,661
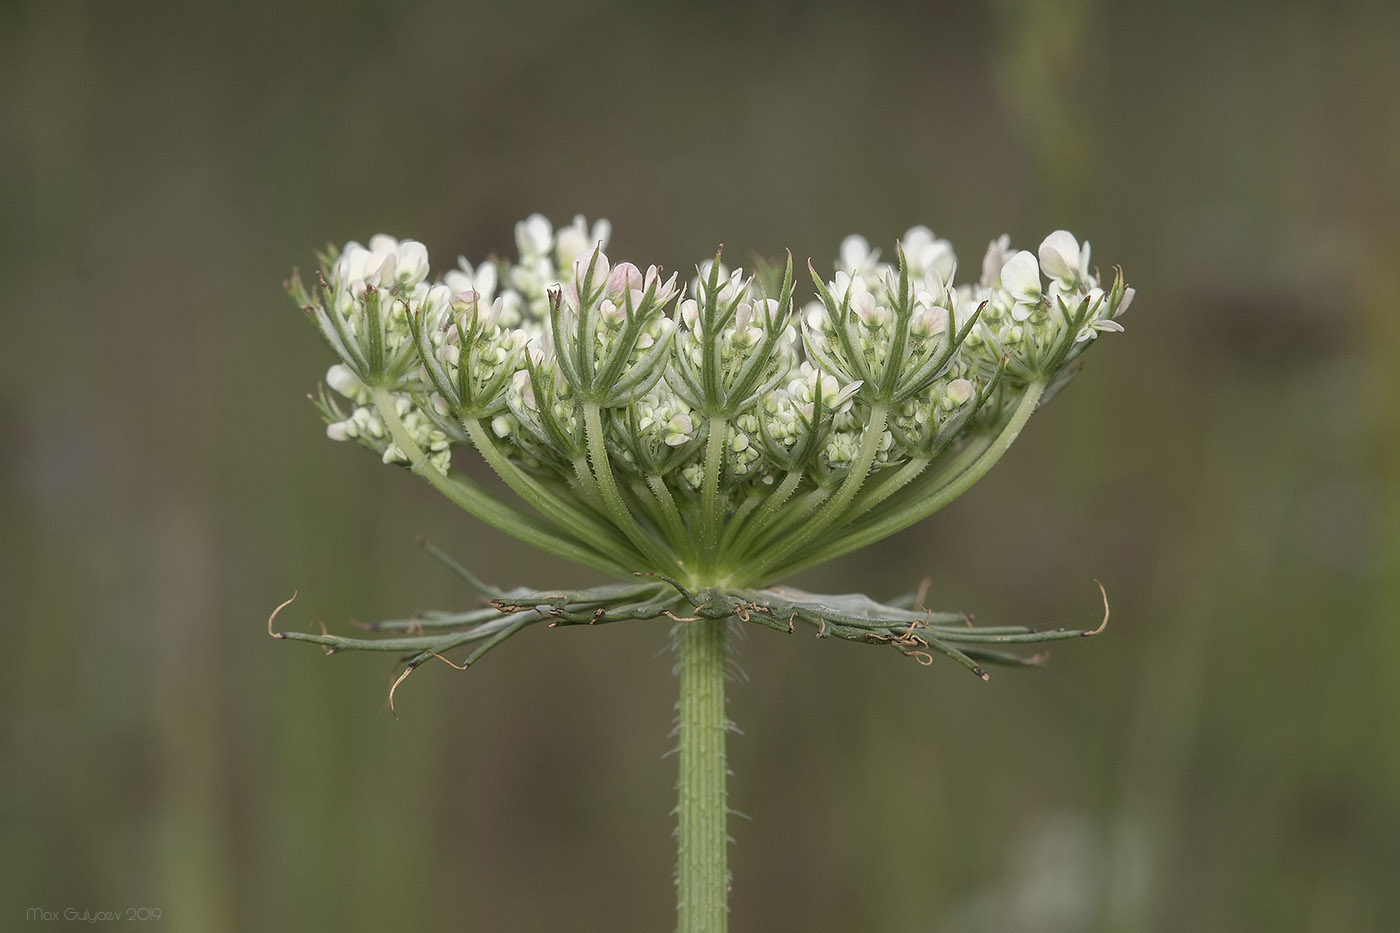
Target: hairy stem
x,y
544,501
617,509
702,874
471,498
833,508
876,529
710,506
671,519
759,522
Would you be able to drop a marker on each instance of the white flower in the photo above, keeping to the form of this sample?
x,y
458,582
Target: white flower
x,y
679,429
352,266
464,278
387,261
959,391
600,267
928,321
534,236
1097,323
702,276
391,261
624,275
835,397
1062,258
475,315
998,252
412,261
846,285
693,474
856,257
513,310
576,239
735,287
666,290
924,253
341,378
842,448
870,313
1021,278
690,312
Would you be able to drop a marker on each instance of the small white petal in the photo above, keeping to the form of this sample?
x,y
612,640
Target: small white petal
x,y
998,251
624,275
412,262
1021,277
570,244
855,251
601,233
841,400
1059,255
384,271
534,235
1126,300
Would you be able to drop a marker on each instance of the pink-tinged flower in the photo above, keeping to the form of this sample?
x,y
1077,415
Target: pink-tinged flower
x,y
998,252
624,275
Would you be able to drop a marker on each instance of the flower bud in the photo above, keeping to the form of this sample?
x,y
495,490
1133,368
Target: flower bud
x,y
344,381
998,252
624,276
958,393
596,262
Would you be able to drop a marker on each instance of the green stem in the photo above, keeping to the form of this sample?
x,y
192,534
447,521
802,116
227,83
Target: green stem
x,y
834,507
702,874
873,495
908,514
710,517
671,516
755,524
737,518
544,501
785,521
471,498
587,485
617,509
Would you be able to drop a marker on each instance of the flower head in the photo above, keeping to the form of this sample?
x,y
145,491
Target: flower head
x,y
666,424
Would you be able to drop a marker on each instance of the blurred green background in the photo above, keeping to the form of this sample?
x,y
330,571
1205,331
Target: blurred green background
x,y
1227,757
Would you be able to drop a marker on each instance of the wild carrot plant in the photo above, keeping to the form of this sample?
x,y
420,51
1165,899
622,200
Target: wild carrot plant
x,y
699,441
